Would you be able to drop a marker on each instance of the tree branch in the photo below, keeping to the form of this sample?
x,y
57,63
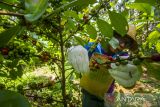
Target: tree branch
x,y
62,65
11,13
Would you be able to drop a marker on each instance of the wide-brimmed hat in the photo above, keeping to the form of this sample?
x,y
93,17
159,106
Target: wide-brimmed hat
x,y
129,39
132,34
132,31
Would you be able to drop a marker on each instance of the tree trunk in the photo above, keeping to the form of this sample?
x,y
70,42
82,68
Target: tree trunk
x,y
63,71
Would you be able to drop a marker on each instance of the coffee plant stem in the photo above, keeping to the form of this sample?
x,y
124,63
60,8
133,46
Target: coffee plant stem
x,y
11,14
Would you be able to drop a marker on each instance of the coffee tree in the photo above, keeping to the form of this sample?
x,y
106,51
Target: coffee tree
x,y
34,33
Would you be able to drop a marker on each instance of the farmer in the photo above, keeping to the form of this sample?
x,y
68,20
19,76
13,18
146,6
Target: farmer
x,y
97,80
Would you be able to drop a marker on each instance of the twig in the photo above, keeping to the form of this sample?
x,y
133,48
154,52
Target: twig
x,y
130,58
56,75
11,14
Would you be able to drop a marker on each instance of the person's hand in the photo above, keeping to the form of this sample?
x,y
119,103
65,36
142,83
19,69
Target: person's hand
x,y
125,75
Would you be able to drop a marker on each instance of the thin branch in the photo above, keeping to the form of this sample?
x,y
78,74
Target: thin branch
x,y
13,5
130,58
58,65
11,14
56,75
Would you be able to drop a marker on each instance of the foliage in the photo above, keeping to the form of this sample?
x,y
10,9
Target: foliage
x,y
12,99
105,28
9,33
153,69
35,9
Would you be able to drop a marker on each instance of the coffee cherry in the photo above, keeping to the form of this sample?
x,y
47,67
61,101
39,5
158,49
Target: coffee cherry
x,y
96,66
4,51
34,42
45,56
2,86
117,63
85,18
49,99
155,57
25,37
110,58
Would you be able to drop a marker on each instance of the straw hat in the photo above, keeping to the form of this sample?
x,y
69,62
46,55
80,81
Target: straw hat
x,y
129,39
132,31
132,34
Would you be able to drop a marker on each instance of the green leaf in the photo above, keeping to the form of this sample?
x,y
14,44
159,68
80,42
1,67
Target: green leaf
x,y
9,1
75,3
20,70
70,24
125,13
84,3
1,58
153,69
144,7
152,38
35,9
151,2
12,99
119,22
158,46
103,43
105,28
80,40
8,34
72,14
13,74
157,13
4,6
158,25
3,74
91,31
